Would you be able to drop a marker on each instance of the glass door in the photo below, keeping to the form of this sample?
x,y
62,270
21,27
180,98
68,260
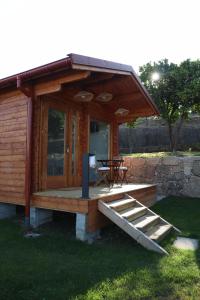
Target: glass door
x,y
61,153
57,148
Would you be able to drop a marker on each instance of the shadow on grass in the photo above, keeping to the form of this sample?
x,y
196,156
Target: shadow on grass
x,y
56,266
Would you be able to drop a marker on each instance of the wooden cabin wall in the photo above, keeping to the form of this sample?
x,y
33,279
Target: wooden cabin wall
x,y
13,124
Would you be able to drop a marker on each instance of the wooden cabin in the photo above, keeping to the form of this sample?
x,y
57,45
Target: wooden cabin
x,y
49,117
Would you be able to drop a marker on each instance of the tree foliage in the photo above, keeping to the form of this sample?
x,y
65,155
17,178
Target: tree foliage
x,y
176,92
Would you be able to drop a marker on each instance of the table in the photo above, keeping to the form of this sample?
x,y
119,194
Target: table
x,y
110,170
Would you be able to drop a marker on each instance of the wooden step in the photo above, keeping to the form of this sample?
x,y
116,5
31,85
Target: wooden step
x,y
158,232
146,221
138,221
134,213
122,204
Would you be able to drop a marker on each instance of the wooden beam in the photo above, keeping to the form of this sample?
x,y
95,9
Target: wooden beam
x,y
60,203
122,99
54,85
111,85
132,117
95,78
98,77
131,102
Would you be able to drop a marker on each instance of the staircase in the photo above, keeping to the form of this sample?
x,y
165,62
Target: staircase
x,y
141,223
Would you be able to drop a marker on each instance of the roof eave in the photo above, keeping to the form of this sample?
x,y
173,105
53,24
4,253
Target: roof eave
x,y
75,61
95,64
145,93
34,73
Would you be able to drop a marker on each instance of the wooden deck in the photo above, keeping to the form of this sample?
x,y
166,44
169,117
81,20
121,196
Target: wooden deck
x,y
69,200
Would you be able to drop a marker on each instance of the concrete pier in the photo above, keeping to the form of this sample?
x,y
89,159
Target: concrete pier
x,y
81,229
39,216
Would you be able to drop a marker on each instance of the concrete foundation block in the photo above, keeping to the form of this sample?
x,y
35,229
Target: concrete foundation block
x,y
7,210
39,216
81,229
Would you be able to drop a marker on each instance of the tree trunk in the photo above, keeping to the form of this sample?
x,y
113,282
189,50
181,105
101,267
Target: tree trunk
x,y
171,139
177,131
130,140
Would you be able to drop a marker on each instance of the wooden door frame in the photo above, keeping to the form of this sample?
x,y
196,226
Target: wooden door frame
x,y
70,109
56,181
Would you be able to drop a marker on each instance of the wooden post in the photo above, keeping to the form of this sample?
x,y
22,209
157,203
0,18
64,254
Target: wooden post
x,y
28,161
85,176
28,92
115,139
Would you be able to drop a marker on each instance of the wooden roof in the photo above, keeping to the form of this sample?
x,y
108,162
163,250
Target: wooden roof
x,y
92,75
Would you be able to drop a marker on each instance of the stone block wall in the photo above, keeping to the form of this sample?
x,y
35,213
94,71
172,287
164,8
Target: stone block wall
x,y
173,175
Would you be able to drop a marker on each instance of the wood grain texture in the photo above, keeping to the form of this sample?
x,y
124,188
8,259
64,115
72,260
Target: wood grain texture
x,y
13,113
12,197
60,204
54,85
96,220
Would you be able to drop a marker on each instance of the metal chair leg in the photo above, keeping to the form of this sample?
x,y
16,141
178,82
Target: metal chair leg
x,y
124,178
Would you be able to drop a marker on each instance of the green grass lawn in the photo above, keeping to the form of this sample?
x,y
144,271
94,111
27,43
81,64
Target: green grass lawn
x,y
164,154
56,266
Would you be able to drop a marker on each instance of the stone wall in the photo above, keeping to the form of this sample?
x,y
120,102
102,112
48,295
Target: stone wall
x,y
173,175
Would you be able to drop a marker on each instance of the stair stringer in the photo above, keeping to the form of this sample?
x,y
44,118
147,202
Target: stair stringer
x,y
129,228
163,220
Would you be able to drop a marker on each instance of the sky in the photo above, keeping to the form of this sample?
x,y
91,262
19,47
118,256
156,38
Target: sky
x,y
36,32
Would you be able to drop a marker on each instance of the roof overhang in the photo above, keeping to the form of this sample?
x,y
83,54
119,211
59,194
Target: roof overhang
x,y
84,64
80,62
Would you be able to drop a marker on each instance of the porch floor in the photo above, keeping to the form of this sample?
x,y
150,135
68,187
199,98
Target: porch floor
x,y
69,200
94,192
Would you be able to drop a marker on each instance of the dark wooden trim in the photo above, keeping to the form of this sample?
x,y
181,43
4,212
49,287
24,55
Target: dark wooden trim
x,y
99,63
28,161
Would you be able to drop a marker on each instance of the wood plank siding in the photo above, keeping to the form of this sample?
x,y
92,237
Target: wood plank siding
x,y
13,123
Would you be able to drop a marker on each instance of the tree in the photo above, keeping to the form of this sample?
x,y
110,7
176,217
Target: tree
x,y
176,92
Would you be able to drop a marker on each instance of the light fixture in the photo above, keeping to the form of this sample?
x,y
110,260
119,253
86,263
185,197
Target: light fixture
x,y
104,97
83,96
122,112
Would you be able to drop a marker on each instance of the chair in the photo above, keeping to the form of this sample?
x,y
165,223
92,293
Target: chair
x,y
104,173
122,170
